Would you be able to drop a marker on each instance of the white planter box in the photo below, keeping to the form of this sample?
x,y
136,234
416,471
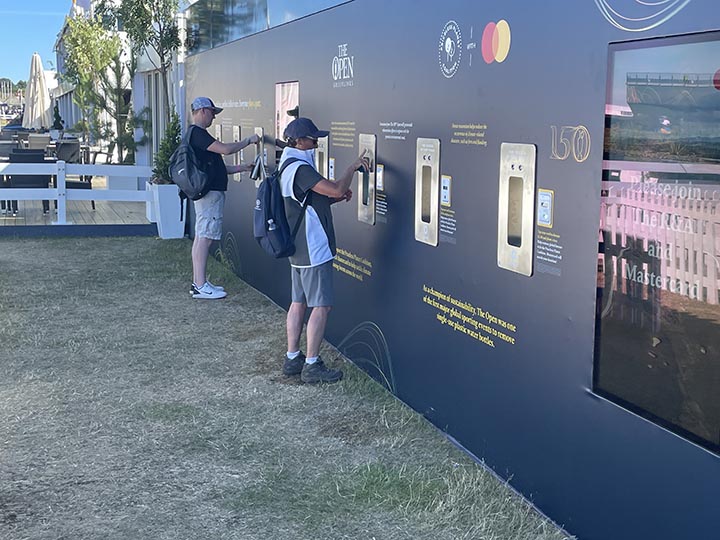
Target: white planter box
x,y
150,204
166,200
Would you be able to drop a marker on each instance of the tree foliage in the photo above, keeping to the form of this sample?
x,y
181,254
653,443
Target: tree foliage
x,y
152,28
89,49
102,70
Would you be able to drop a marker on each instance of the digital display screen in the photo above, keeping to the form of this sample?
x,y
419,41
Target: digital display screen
x,y
658,309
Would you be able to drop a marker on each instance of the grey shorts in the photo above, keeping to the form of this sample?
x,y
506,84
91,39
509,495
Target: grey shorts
x,y
209,215
313,286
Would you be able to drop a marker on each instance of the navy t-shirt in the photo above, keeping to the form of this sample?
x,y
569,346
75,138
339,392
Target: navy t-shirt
x,y
200,139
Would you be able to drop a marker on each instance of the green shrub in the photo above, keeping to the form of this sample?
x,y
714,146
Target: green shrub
x,y
168,144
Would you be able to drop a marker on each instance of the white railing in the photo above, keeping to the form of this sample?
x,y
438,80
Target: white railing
x,y
62,194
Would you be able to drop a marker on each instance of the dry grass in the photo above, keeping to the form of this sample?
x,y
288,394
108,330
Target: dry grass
x,y
131,411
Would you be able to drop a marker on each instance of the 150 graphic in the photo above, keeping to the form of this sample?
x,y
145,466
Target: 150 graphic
x,y
570,140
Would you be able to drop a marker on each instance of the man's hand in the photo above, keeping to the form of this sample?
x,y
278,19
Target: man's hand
x,y
346,197
254,139
235,169
362,163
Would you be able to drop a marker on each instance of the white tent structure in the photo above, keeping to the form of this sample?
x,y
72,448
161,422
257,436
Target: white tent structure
x,y
37,98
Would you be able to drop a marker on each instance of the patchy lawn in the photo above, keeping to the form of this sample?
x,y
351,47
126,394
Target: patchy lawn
x,y
130,411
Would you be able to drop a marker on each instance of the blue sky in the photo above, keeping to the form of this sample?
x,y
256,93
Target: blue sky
x,y
29,26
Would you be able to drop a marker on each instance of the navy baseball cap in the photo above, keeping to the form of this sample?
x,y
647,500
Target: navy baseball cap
x,y
303,127
204,103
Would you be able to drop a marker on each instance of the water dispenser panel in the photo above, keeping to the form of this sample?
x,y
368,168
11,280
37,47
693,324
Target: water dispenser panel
x,y
260,151
516,207
366,180
427,188
238,157
322,156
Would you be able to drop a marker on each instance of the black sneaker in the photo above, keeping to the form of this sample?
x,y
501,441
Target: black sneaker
x,y
294,366
318,372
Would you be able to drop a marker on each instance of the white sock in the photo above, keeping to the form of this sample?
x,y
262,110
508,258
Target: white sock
x,y
311,360
293,355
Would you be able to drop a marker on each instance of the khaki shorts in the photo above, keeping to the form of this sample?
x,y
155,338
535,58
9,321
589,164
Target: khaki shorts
x,y
209,215
313,286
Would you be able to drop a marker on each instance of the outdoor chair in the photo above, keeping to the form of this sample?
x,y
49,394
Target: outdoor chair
x,y
20,155
38,141
102,155
6,146
22,138
68,150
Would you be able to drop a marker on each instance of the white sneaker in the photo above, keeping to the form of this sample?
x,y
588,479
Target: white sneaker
x,y
207,291
193,288
218,287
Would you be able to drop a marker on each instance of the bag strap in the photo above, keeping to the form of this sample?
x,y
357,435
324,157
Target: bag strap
x,y
188,134
302,215
288,161
296,228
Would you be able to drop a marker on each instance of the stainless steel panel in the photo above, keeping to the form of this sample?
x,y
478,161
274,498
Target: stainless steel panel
x,y
322,156
366,181
427,187
238,157
516,207
260,151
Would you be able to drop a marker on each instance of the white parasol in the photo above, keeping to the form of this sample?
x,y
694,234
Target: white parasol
x,y
37,98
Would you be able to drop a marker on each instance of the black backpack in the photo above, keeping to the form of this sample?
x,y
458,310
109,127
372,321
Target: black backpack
x,y
270,224
187,171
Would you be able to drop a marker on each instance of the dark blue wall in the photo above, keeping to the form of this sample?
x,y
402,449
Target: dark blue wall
x,y
526,409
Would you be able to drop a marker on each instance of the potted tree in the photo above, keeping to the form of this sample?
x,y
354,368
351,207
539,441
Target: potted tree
x,y
165,209
58,126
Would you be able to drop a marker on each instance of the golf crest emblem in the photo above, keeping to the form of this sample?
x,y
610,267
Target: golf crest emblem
x,y
450,49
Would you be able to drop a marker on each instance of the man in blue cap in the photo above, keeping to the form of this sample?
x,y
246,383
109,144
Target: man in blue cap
x,y
209,209
312,262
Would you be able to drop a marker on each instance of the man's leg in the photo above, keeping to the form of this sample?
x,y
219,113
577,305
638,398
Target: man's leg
x,y
208,228
316,329
295,316
200,251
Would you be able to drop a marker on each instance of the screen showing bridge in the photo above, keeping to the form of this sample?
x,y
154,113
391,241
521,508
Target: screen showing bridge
x,y
658,310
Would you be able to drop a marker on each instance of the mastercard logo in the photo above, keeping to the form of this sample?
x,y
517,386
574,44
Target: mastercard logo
x,y
496,42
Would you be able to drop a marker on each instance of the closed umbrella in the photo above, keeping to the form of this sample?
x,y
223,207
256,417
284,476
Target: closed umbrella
x,y
37,98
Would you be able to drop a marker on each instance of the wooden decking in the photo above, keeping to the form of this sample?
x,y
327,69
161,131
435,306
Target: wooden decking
x,y
78,213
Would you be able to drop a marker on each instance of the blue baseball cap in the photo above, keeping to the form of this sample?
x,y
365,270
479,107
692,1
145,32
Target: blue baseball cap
x,y
204,103
303,127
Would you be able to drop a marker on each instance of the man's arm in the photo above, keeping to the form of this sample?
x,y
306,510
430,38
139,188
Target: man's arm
x,y
231,148
340,189
243,167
